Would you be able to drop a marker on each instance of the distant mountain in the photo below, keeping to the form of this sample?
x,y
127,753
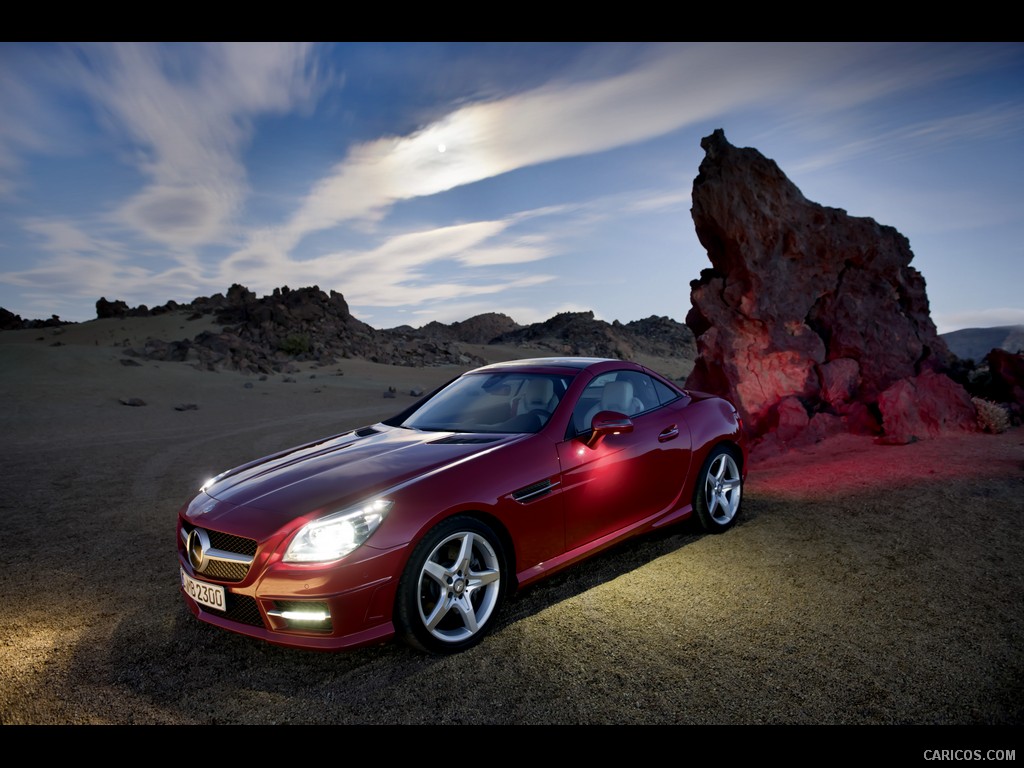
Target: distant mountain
x,y
975,343
272,333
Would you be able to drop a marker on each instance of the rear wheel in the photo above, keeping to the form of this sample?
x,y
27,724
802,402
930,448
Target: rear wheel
x,y
452,587
719,491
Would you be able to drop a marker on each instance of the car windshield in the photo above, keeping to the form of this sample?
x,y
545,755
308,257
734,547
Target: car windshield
x,y
492,402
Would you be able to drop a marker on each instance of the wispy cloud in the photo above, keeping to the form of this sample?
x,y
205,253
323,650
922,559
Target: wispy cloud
x,y
675,87
922,137
563,119
185,114
397,271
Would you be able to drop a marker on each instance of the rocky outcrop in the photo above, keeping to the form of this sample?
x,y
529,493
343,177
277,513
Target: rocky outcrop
x,y
659,336
12,322
483,329
1000,379
479,329
578,333
806,308
273,333
118,309
925,406
108,309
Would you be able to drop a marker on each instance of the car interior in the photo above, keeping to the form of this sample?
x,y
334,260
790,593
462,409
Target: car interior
x,y
616,395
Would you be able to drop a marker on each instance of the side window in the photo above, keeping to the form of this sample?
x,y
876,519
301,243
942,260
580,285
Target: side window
x,y
589,402
665,394
627,392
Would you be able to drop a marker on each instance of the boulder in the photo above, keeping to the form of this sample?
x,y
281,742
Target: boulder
x,y
925,406
806,302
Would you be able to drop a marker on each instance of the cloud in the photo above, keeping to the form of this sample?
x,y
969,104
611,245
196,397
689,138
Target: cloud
x,y
62,236
84,264
32,124
398,270
185,114
560,120
674,87
920,137
514,253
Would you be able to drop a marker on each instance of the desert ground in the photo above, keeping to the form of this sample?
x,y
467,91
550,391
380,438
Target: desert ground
x,y
864,585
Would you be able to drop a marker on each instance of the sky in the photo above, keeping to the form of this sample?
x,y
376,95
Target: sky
x,y
430,181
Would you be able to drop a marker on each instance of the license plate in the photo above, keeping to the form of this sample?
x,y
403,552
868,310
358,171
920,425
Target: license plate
x,y
210,595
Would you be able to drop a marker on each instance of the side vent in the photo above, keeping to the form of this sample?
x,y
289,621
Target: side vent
x,y
534,491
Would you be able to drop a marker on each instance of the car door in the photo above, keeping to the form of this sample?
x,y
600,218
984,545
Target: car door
x,y
626,478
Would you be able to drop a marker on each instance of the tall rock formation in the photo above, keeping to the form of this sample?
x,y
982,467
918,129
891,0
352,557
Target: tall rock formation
x,y
808,316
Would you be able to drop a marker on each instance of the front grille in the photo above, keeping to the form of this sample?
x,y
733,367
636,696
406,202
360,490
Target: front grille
x,y
229,557
225,571
240,608
231,543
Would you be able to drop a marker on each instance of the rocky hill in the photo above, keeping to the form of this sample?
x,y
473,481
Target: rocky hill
x,y
975,343
270,334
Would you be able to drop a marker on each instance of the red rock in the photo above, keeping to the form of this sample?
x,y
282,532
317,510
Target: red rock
x,y
925,406
802,301
839,380
1006,384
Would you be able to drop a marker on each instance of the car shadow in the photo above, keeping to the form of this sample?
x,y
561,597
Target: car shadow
x,y
618,560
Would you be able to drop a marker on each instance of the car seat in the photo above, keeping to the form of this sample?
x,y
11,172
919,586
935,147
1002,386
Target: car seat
x,y
538,395
616,396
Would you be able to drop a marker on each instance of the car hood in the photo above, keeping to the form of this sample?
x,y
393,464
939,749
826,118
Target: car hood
x,y
326,476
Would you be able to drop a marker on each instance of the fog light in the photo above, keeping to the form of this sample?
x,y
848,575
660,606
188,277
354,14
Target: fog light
x,y
315,616
301,615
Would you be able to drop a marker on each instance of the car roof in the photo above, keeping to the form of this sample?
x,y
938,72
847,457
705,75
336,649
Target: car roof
x,y
549,364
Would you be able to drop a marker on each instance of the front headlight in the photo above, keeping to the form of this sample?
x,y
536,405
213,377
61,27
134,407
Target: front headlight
x,y
334,536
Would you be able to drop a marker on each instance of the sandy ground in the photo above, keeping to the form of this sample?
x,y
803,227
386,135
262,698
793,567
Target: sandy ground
x,y
865,585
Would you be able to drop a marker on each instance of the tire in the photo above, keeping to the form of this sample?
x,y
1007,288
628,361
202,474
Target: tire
x,y
719,491
452,587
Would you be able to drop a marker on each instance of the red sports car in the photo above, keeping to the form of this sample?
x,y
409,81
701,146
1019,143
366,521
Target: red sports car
x,y
420,526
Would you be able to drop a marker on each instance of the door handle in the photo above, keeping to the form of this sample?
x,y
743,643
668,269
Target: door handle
x,y
669,433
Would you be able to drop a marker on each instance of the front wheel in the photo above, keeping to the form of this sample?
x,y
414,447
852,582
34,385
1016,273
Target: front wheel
x,y
452,587
719,490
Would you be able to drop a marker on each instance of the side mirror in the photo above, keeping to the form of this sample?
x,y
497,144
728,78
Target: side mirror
x,y
608,423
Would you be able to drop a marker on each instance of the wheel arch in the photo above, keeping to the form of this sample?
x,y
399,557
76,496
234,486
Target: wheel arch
x,y
734,448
